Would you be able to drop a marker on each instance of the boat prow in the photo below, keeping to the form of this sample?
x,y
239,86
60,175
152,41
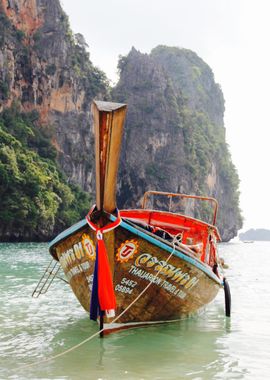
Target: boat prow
x,y
133,268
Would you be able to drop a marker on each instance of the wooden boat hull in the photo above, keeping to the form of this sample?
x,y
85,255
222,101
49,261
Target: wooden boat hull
x,y
182,287
152,266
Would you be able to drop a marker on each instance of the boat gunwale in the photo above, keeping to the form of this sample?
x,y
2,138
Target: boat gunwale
x,y
199,221
161,243
157,241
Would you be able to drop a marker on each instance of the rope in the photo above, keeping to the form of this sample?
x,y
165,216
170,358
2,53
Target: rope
x,y
73,348
150,283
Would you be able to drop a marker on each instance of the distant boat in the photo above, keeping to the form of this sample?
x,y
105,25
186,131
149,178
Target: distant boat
x,y
133,268
248,241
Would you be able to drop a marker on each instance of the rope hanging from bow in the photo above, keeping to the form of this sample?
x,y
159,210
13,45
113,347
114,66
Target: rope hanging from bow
x,y
103,298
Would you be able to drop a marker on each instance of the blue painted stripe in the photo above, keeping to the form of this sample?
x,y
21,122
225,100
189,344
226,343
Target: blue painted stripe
x,y
68,232
145,236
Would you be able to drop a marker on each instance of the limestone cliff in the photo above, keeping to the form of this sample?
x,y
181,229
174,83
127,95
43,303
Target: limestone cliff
x,y
44,67
174,137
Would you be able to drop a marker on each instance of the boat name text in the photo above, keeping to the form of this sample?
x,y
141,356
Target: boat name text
x,y
176,275
82,249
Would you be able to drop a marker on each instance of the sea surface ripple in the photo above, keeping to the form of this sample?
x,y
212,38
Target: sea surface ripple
x,y
208,346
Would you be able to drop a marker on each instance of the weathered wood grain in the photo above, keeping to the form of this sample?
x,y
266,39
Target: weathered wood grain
x,y
168,298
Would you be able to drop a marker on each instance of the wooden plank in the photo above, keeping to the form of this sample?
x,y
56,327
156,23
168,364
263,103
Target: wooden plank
x,y
99,185
179,290
108,127
113,156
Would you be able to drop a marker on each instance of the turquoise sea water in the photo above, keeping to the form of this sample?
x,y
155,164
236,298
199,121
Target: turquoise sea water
x,y
207,346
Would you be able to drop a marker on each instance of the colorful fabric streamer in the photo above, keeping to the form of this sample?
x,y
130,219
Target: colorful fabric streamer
x,y
103,297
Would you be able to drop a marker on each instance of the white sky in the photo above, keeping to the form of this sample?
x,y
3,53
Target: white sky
x,y
232,36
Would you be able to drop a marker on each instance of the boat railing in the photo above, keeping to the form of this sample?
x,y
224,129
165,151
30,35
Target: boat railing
x,y
171,196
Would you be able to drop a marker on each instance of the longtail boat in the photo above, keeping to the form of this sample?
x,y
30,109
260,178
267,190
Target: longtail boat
x,y
136,267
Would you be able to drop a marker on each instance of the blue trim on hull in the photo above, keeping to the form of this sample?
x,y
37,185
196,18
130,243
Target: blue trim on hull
x,y
68,232
147,237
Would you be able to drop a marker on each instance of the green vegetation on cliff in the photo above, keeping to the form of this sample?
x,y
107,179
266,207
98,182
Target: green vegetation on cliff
x,y
44,67
36,200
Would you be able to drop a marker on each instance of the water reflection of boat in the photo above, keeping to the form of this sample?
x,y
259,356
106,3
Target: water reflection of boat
x,y
137,267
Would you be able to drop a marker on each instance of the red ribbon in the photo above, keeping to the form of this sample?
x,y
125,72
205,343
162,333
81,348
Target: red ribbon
x,y
106,295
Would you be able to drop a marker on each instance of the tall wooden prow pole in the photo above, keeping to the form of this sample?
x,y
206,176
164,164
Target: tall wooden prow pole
x,y
108,124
